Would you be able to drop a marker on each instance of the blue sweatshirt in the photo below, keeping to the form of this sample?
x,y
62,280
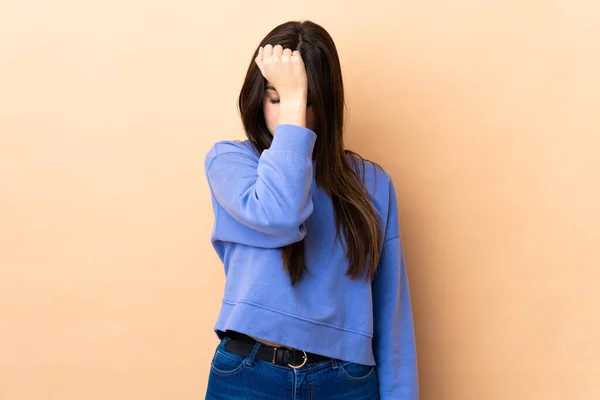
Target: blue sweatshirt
x,y
264,202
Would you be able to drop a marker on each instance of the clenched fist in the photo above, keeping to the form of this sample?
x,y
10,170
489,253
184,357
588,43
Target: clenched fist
x,y
284,69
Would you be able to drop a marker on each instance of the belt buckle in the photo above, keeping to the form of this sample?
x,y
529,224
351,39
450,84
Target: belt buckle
x,y
305,359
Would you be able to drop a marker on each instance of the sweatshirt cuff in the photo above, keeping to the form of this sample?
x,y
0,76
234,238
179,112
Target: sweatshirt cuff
x,y
294,138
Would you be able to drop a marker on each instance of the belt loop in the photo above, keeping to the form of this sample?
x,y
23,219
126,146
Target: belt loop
x,y
334,363
250,358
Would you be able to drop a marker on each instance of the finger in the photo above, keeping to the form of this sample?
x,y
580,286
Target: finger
x,y
277,50
267,51
286,55
296,57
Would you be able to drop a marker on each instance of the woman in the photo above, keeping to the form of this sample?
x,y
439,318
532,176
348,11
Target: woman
x,y
316,302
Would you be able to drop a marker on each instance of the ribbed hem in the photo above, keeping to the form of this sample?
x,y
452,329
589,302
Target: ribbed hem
x,y
295,333
294,138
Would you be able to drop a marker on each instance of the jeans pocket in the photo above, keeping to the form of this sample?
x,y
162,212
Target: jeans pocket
x,y
225,363
357,372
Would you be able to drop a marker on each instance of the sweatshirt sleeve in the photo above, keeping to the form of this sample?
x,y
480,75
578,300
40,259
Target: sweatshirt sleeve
x,y
264,201
394,335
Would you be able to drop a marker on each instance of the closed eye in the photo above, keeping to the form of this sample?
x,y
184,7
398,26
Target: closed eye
x,y
276,101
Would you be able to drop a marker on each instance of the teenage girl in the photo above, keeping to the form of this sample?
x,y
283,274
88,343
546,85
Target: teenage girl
x,y
316,302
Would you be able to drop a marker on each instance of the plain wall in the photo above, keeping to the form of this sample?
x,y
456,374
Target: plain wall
x,y
486,114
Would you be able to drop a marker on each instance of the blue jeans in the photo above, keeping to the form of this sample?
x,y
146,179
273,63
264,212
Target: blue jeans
x,y
233,377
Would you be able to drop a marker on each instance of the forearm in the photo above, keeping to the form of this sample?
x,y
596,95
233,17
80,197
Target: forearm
x,y
394,333
263,202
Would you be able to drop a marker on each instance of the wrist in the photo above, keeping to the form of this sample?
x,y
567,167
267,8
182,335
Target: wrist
x,y
293,98
292,113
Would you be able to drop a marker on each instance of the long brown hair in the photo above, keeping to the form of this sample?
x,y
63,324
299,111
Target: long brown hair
x,y
335,168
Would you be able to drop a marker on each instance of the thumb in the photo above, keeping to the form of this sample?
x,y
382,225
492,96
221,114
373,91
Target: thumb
x,y
259,61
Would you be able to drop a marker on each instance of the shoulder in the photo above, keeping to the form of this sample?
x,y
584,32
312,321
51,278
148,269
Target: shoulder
x,y
380,185
233,148
376,179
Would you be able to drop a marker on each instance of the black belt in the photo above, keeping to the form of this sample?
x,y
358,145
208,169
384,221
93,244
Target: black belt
x,y
243,345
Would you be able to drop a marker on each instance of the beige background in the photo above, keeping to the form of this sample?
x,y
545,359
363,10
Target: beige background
x,y
485,114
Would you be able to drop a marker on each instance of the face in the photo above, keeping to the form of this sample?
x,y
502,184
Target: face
x,y
271,109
